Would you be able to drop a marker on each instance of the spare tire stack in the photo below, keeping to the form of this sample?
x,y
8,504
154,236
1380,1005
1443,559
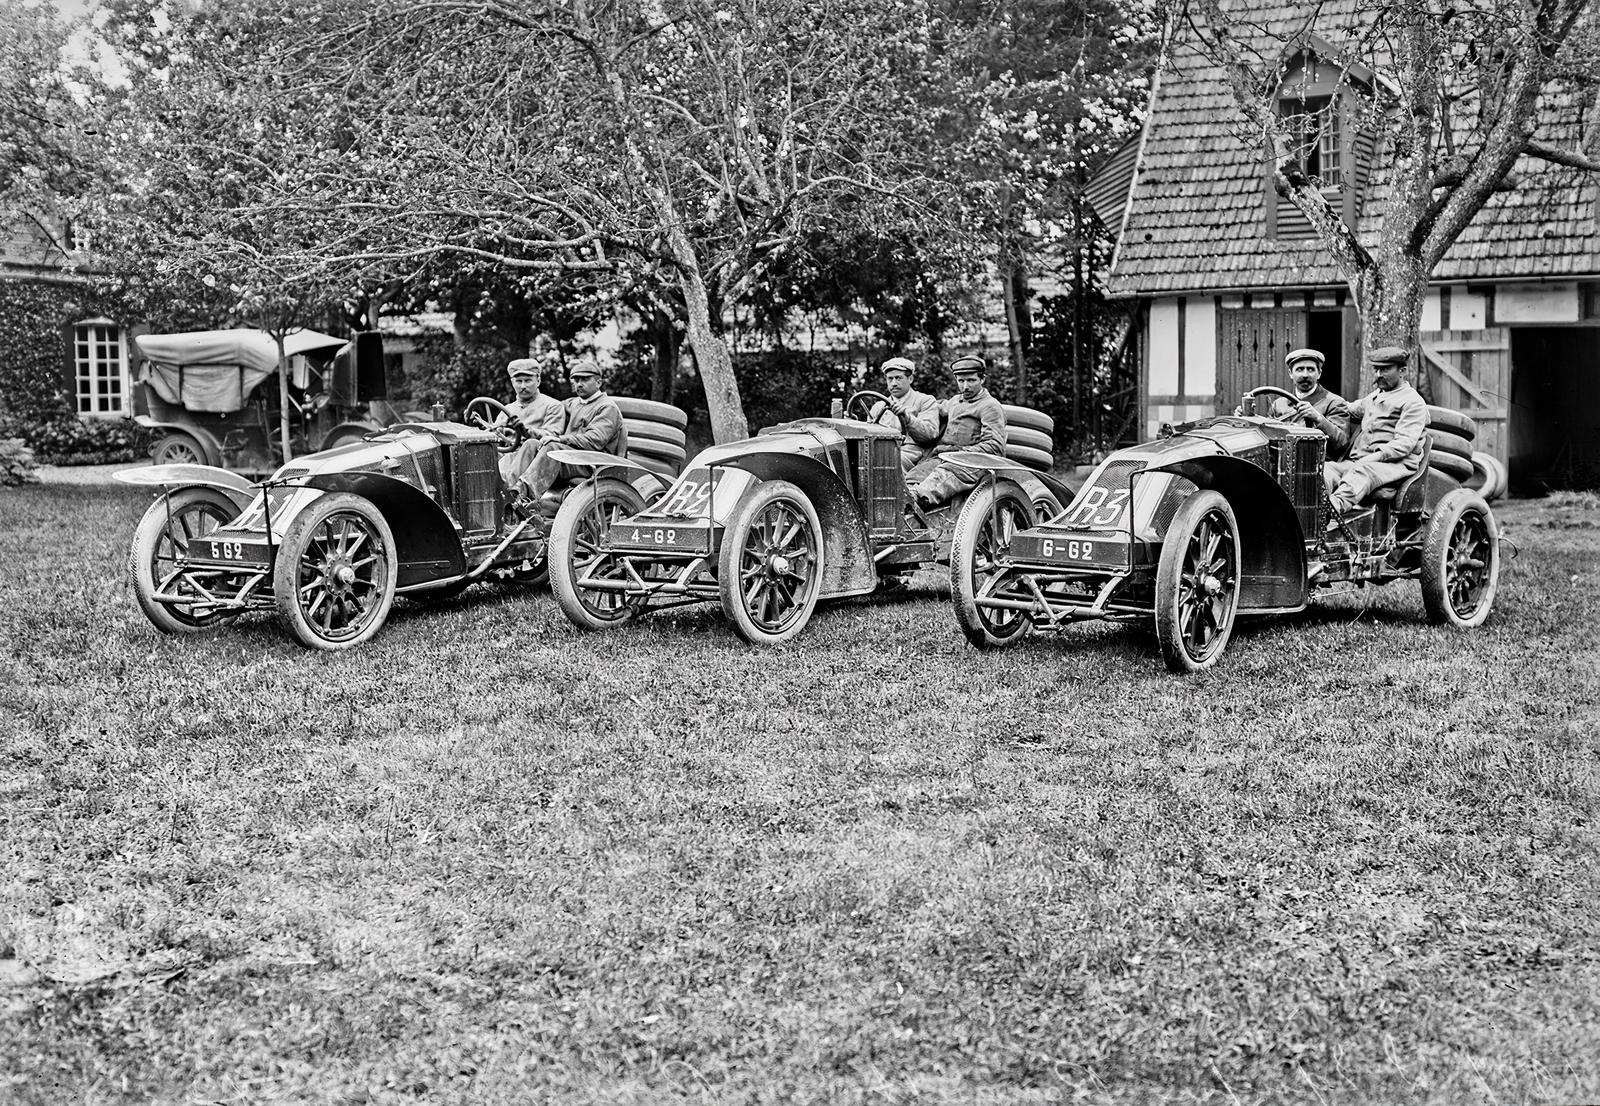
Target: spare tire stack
x,y
1451,434
1028,440
656,436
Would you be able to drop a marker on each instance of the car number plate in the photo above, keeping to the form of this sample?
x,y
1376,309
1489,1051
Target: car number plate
x,y
1062,550
639,535
227,551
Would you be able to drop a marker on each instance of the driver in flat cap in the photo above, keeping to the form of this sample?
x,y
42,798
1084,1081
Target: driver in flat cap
x,y
593,422
1388,447
542,416
971,420
1317,407
906,404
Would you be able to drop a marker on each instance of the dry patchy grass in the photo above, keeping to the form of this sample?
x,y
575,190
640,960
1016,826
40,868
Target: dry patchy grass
x,y
488,859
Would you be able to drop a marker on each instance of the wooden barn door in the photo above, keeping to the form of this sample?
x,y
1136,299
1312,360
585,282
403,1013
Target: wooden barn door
x,y
1470,371
1251,346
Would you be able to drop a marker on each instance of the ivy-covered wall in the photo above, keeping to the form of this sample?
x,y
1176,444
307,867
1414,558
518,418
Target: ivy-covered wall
x,y
35,404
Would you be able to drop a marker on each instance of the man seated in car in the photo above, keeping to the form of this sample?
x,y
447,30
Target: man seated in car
x,y
905,404
541,416
1388,447
971,420
1316,407
593,421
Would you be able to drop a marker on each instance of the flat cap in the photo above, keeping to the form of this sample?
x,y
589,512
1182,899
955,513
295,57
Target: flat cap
x,y
584,368
523,366
969,365
902,364
1297,355
1390,355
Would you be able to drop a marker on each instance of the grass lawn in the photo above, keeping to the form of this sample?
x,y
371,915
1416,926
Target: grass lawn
x,y
486,858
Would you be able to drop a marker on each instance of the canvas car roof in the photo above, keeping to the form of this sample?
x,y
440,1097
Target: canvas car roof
x,y
251,348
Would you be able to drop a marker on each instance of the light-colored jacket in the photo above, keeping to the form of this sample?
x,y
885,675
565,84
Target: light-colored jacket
x,y
1392,424
918,405
542,414
978,425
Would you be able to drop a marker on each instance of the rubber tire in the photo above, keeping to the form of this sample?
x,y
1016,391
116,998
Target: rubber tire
x,y
189,449
286,573
1443,418
1436,552
972,524
1450,442
1483,474
734,537
1036,439
655,431
347,436
1502,485
1028,418
1174,546
146,539
665,451
654,464
1458,468
651,411
1033,458
563,573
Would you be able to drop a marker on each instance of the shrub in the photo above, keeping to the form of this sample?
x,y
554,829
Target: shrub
x,y
16,463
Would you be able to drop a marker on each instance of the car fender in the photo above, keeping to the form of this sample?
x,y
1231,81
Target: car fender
x,y
645,482
425,539
847,564
173,477
1272,548
208,441
360,428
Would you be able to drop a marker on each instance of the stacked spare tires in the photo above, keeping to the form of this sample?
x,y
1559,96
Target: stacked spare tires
x,y
1028,437
1452,439
656,435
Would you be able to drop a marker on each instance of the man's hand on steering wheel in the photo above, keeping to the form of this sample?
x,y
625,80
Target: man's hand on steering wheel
x,y
493,416
867,399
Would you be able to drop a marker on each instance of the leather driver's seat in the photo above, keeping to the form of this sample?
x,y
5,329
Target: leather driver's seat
x,y
1407,494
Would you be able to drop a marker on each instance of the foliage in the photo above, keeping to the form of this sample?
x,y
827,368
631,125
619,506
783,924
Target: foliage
x,y
17,465
40,123
877,866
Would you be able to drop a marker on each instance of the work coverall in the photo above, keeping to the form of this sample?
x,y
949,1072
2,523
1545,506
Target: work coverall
x,y
1331,406
541,416
977,425
1387,449
918,405
593,423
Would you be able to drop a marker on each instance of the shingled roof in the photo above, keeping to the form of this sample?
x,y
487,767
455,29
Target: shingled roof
x,y
1197,218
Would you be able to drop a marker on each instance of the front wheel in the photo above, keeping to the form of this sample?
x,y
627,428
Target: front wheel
x,y
1460,560
576,553
335,576
989,519
178,448
1197,583
770,568
160,549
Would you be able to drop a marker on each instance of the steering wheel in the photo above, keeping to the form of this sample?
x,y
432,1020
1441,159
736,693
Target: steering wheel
x,y
492,415
1269,389
868,399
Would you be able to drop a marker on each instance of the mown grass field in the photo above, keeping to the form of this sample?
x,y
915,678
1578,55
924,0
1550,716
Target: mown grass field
x,y
488,859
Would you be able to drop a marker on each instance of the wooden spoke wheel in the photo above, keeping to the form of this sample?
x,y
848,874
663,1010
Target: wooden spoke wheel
x,y
576,553
989,520
1197,583
1460,560
335,574
770,568
161,549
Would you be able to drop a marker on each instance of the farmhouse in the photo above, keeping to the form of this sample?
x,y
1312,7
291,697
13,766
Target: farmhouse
x,y
1227,276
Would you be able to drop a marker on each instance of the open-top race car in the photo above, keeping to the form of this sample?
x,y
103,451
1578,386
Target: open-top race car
x,y
1218,518
330,539
806,510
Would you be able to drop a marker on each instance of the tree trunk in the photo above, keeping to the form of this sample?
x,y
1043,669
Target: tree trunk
x,y
283,397
664,380
728,423
1019,358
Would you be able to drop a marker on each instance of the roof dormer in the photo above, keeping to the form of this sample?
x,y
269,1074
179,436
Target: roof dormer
x,y
1324,106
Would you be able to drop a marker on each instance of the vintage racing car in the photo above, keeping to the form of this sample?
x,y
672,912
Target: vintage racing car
x,y
806,510
329,539
1221,517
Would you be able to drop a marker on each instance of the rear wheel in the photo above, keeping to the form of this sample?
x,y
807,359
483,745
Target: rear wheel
x,y
989,519
161,545
576,540
1197,583
335,576
770,568
178,448
1460,561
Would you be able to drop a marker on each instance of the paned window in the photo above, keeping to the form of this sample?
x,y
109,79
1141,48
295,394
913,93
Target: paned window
x,y
102,368
1313,127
